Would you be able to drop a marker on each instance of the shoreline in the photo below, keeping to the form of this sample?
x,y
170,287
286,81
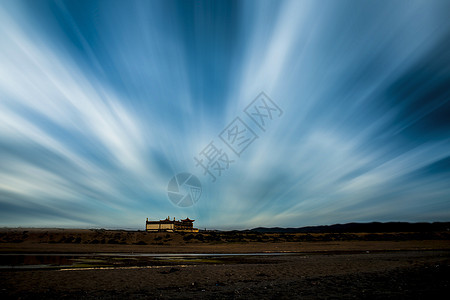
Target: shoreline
x,y
96,264
207,248
391,275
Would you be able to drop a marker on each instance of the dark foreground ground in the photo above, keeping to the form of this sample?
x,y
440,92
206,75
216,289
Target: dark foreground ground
x,y
408,269
392,275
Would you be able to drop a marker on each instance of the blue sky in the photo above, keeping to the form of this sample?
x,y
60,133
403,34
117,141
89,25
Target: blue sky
x,y
103,102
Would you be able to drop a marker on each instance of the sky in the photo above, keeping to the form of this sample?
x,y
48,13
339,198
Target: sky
x,y
277,113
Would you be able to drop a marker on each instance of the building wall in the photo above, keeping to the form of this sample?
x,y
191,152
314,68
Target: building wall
x,y
188,230
152,226
167,226
171,227
157,227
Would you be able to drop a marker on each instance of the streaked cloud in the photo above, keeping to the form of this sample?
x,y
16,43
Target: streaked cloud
x,y
102,102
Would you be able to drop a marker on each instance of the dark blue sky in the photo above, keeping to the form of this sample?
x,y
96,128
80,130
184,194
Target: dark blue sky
x,y
103,102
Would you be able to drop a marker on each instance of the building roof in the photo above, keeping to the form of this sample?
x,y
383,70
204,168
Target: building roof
x,y
168,221
187,220
161,222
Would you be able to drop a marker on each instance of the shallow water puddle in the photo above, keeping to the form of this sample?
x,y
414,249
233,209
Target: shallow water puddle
x,y
123,260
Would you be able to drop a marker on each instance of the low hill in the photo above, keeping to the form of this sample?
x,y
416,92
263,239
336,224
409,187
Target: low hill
x,y
362,227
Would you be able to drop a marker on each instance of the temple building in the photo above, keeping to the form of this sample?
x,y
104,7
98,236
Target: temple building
x,y
186,225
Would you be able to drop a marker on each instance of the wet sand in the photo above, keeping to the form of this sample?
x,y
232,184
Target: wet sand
x,y
415,269
404,274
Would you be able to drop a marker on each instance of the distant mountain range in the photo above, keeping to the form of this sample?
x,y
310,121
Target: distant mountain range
x,y
362,227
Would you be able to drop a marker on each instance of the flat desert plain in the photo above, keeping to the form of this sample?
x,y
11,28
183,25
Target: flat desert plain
x,y
117,264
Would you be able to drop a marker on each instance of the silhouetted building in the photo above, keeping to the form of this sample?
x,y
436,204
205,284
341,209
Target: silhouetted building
x,y
186,225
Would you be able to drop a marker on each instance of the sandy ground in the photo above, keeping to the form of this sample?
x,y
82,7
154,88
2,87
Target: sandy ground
x,y
305,247
393,275
93,241
416,269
